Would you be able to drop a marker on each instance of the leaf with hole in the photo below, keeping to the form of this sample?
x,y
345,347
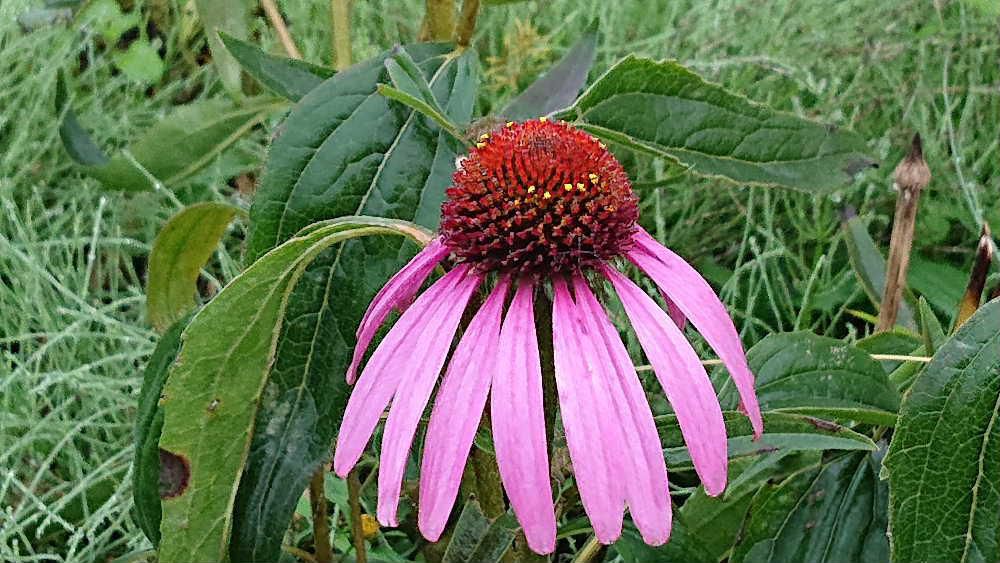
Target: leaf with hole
x,y
214,387
181,249
665,110
944,460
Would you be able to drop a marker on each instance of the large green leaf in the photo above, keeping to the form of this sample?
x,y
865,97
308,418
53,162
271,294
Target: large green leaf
x,y
833,513
783,432
666,110
214,388
944,460
366,155
479,538
809,374
288,78
683,546
179,252
148,424
559,86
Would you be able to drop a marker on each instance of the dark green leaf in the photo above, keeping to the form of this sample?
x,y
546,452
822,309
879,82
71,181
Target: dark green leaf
x,y
834,513
372,156
944,460
939,282
869,266
229,16
148,424
80,146
897,341
809,374
557,88
214,388
478,538
180,250
288,78
782,433
666,110
683,546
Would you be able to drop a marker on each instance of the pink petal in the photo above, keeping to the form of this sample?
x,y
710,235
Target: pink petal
x,y
417,377
519,423
457,412
395,294
647,492
695,297
592,431
683,379
675,312
383,372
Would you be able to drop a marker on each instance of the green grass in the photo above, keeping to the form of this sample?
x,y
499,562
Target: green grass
x,y
73,337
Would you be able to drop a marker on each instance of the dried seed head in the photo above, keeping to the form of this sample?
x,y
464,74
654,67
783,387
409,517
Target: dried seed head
x,y
538,197
912,173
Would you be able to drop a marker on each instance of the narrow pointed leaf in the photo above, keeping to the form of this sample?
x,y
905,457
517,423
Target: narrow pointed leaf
x,y
288,78
231,17
559,86
664,109
944,460
180,250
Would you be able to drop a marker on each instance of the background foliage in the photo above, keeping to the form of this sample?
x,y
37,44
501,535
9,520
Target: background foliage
x,y
73,257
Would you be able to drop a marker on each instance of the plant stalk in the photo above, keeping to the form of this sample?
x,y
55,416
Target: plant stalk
x,y
321,526
340,14
357,530
278,22
439,21
911,176
467,22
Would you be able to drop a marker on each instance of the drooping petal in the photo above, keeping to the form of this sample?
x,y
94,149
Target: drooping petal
x,y
382,374
417,378
518,421
457,411
683,379
592,432
646,492
695,297
395,294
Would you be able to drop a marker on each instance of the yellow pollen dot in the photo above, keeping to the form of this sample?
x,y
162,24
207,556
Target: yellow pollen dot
x,y
602,145
480,145
593,178
580,187
547,195
531,189
484,136
568,187
517,201
543,119
510,124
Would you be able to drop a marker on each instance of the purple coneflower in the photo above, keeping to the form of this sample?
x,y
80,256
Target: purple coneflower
x,y
541,203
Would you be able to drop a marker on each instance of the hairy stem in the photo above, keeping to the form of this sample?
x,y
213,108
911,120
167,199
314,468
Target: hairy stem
x,y
321,526
439,21
467,22
357,531
340,14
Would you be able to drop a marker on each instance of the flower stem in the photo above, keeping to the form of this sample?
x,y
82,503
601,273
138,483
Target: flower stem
x,y
278,22
588,551
321,527
467,22
439,21
357,531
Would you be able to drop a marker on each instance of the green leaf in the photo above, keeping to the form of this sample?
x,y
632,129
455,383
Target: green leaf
x,y
559,86
213,390
783,432
941,283
834,513
944,460
869,266
171,151
180,250
666,110
148,424
423,107
478,538
345,150
288,78
717,521
683,546
931,332
229,16
890,342
140,62
809,374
